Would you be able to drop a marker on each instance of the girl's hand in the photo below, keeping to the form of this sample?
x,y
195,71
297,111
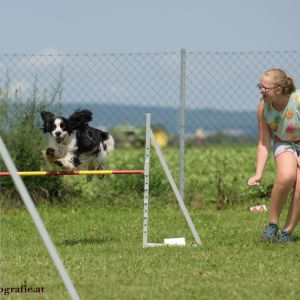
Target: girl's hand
x,y
254,181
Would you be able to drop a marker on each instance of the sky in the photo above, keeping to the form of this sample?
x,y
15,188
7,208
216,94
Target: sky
x,y
139,26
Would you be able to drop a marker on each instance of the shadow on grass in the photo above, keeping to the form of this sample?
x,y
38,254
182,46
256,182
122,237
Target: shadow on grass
x,y
87,241
296,238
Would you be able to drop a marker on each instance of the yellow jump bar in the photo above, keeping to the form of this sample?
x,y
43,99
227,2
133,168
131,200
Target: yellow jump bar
x,y
83,172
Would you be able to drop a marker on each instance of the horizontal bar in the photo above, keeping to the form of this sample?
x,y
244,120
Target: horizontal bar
x,y
87,172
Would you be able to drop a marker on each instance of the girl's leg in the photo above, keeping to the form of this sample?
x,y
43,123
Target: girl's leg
x,y
289,215
286,175
294,210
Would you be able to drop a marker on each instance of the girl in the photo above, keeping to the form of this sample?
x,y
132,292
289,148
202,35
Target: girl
x,y
279,121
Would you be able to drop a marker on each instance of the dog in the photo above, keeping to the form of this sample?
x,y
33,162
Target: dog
x,y
73,144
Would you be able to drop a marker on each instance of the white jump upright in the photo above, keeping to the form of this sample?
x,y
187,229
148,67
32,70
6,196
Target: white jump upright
x,y
150,139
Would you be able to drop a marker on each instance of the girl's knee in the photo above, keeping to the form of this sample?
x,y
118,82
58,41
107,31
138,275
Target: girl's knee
x,y
286,180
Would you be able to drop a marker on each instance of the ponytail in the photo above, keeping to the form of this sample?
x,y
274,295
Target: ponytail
x,y
290,87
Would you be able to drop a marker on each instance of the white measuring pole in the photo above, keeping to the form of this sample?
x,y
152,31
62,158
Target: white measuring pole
x,y
146,184
37,221
146,181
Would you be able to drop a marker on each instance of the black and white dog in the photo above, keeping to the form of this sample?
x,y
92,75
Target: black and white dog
x,y
72,143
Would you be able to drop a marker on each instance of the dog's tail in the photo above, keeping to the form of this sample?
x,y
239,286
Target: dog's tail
x,y
80,118
110,144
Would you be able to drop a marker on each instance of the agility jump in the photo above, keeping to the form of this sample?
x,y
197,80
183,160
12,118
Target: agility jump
x,y
150,139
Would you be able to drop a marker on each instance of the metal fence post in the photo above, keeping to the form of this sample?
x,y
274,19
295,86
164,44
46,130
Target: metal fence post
x,y
182,120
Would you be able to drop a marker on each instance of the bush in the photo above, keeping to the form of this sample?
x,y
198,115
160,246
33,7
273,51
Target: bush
x,y
20,130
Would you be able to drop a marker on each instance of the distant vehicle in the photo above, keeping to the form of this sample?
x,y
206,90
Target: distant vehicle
x,y
130,136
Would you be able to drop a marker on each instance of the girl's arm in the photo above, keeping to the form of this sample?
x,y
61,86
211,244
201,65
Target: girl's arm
x,y
263,147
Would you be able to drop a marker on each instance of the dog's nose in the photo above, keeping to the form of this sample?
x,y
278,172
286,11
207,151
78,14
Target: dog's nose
x,y
58,133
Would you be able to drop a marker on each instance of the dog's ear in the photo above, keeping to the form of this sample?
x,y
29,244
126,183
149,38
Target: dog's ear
x,y
80,118
47,118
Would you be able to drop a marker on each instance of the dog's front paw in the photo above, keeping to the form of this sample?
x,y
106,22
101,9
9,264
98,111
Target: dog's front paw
x,y
48,158
50,152
68,166
58,163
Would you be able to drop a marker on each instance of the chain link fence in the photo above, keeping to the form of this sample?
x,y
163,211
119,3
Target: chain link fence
x,y
221,92
220,95
118,89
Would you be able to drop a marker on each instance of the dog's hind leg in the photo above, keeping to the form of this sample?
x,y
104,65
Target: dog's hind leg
x,y
100,167
91,167
101,162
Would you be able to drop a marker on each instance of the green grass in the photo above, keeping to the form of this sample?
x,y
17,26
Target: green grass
x,y
101,248
215,176
97,228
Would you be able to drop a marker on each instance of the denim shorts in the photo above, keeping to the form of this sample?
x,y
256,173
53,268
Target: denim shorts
x,y
280,147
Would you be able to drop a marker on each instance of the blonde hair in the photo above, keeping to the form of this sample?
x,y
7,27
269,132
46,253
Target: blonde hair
x,y
281,79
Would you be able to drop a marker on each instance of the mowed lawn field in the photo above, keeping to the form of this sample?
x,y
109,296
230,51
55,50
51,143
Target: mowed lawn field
x,y
97,229
101,248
